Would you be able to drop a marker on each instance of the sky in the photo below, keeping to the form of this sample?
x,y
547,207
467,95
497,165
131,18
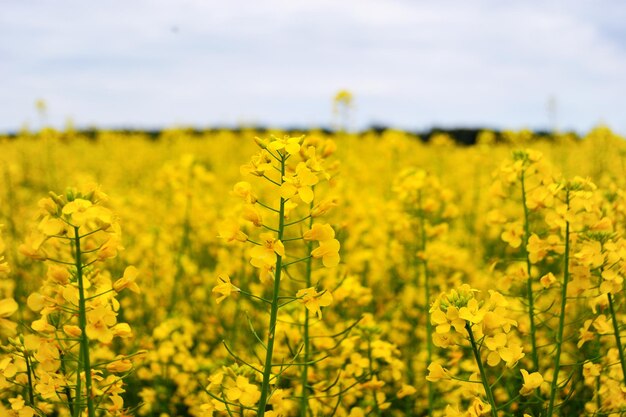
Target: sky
x,y
410,64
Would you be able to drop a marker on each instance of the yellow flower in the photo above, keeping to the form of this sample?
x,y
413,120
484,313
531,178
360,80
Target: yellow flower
x,y
121,330
58,274
77,211
265,254
319,232
602,325
47,386
591,371
120,365
531,382
19,406
451,411
71,330
128,280
436,372
328,250
230,230
32,247
99,322
478,408
591,255
406,390
244,190
323,207
244,392
50,226
511,354
224,287
512,234
251,214
493,343
446,320
289,144
537,249
300,183
4,266
8,306
266,272
313,299
329,247
48,355
110,248
471,312
540,197
547,280
259,163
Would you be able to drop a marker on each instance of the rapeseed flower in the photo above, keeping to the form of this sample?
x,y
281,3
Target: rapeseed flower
x,y
313,299
224,288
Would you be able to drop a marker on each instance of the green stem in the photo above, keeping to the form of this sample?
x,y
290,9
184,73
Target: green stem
x,y
559,335
371,369
82,323
78,389
267,367
67,390
429,326
184,244
413,345
29,371
597,393
304,401
481,368
618,339
529,282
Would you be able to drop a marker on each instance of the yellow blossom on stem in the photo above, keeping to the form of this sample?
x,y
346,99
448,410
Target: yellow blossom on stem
x,y
128,280
319,232
251,214
512,234
299,183
224,288
548,280
313,299
328,250
99,322
231,232
323,207
51,226
243,190
531,382
590,254
8,306
266,252
289,144
406,391
243,391
76,211
436,372
258,165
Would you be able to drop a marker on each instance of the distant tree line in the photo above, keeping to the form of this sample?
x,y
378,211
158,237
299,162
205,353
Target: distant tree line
x,y
463,136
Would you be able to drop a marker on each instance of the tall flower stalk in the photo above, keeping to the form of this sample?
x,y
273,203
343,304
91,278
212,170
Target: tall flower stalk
x,y
428,207
77,306
559,335
291,168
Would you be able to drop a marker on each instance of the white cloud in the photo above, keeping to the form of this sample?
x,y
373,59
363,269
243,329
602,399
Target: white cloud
x,y
409,63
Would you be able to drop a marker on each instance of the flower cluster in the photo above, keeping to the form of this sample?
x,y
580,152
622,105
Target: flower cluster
x,y
280,222
66,360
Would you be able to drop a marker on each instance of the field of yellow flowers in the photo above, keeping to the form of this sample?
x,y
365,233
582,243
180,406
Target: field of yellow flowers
x,y
259,274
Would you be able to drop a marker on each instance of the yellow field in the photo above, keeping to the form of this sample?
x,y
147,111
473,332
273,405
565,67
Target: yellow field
x,y
317,275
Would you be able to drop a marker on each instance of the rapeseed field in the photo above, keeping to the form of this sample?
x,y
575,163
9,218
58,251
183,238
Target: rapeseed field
x,y
249,273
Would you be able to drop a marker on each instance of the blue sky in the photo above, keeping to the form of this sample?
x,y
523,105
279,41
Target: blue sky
x,y
410,64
